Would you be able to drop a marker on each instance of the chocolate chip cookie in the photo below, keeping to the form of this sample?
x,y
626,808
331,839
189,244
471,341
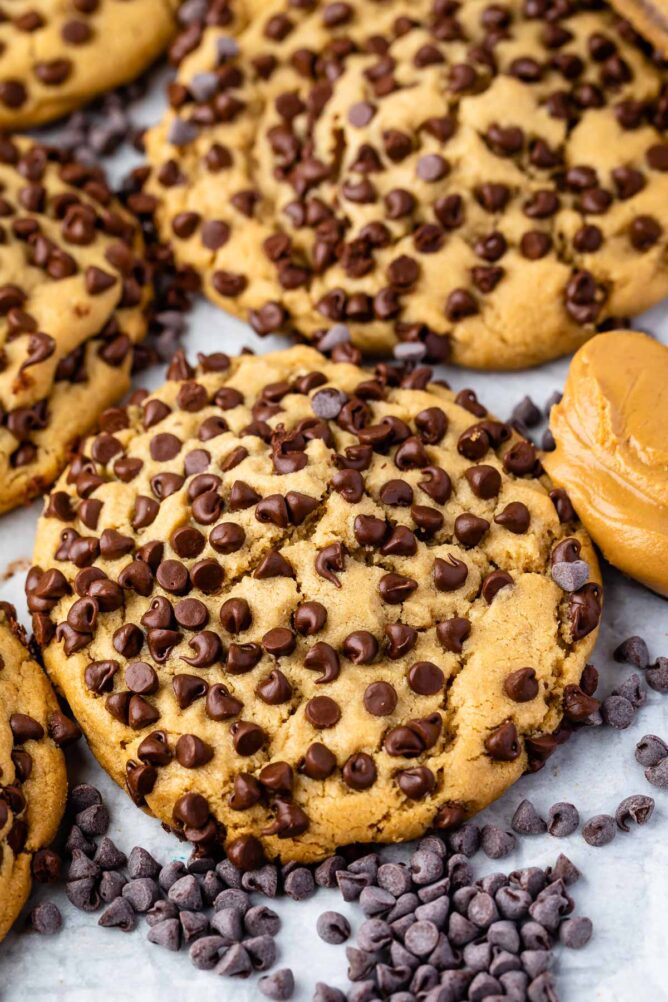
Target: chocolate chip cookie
x,y
649,17
56,55
294,604
72,292
487,180
33,781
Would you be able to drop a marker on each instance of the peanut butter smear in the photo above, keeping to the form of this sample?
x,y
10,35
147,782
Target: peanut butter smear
x,y
611,430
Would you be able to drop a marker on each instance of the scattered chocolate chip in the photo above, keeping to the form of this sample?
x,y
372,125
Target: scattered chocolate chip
x,y
650,750
46,919
599,830
333,927
527,821
636,808
562,819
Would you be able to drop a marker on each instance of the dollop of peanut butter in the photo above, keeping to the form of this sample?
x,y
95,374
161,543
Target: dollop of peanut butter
x,y
611,430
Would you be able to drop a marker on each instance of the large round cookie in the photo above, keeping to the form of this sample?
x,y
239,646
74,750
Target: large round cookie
x,y
33,781
310,605
72,293
485,178
56,55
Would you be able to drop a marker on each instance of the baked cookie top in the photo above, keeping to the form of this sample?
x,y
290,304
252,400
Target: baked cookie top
x,y
72,292
485,179
33,781
295,602
55,55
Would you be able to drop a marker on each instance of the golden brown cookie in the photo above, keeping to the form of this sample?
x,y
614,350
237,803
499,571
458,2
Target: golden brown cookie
x,y
611,452
649,17
484,180
72,296
55,55
292,602
33,781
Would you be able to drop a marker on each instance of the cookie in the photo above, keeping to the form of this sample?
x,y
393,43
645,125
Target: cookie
x,y
55,55
485,180
33,781
303,605
72,296
649,17
610,453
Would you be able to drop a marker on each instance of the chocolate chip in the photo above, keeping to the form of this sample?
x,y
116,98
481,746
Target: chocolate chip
x,y
166,934
650,750
527,821
119,914
617,712
325,993
599,830
425,678
521,685
562,820
83,894
633,651
93,820
657,774
142,893
575,932
495,842
185,893
109,857
636,808
279,986
46,919
656,675
503,743
449,575
142,864
333,927
570,576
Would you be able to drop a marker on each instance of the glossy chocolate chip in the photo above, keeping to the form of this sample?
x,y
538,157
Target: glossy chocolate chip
x,y
380,699
425,678
452,633
319,762
310,618
503,743
521,685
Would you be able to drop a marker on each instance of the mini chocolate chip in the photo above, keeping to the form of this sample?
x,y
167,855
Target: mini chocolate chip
x,y
636,808
650,750
599,830
633,651
526,820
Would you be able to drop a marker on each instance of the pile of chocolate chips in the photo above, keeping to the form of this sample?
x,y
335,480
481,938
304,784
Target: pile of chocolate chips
x,y
432,932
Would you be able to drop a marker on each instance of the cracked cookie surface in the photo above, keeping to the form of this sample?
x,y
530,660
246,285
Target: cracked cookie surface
x,y
294,604
33,781
486,179
72,295
55,55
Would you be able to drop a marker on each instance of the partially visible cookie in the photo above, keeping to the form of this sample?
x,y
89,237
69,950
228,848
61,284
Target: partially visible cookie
x,y
33,781
294,604
56,55
486,180
649,17
611,452
72,295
